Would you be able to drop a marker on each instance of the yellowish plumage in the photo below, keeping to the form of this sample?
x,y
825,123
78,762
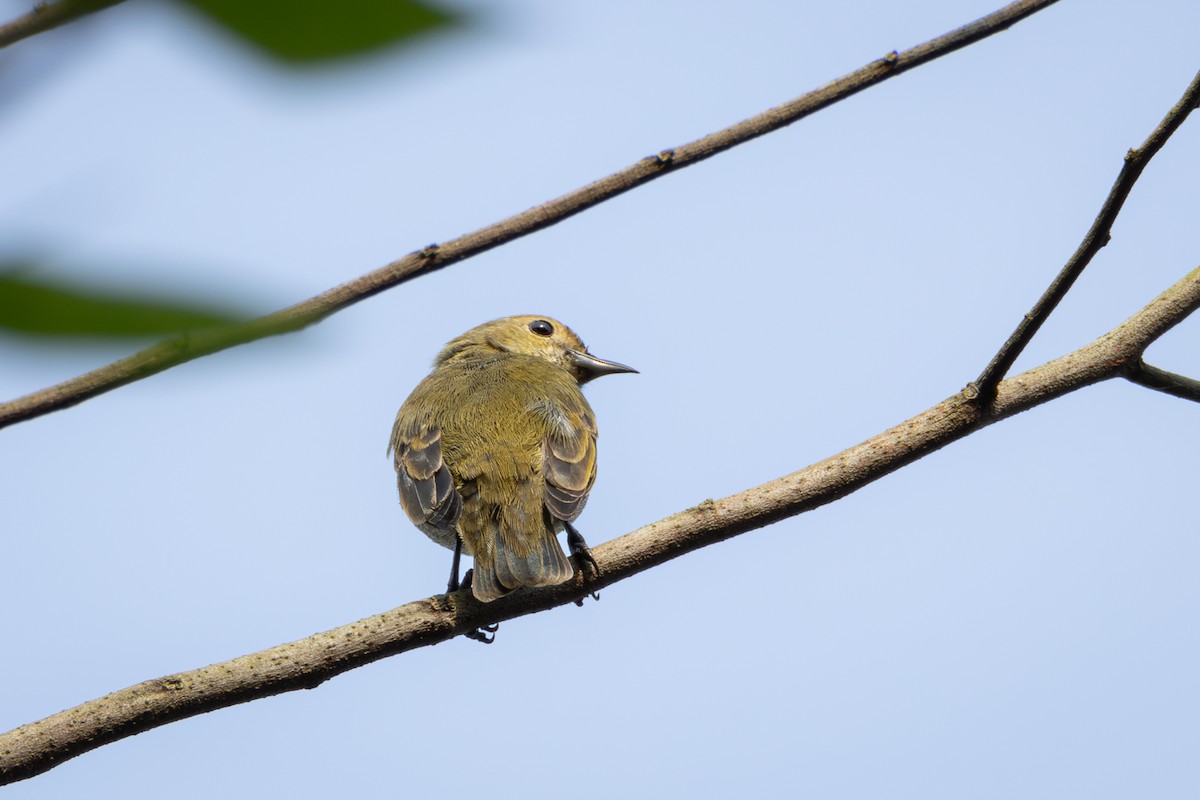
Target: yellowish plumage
x,y
497,446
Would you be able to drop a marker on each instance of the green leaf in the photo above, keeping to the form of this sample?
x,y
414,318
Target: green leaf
x,y
45,309
310,30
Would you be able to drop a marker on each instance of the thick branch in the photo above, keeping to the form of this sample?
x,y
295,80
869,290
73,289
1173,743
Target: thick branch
x,y
45,16
172,352
1160,380
304,664
1097,236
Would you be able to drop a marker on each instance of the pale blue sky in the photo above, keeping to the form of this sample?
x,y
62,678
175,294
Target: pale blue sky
x,y
1013,616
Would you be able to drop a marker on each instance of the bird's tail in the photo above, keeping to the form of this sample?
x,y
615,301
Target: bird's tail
x,y
542,564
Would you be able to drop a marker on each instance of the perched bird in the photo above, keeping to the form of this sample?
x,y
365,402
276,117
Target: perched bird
x,y
495,451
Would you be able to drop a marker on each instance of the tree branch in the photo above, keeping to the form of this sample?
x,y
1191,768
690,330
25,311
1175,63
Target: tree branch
x,y
1098,236
306,663
46,16
1141,373
171,352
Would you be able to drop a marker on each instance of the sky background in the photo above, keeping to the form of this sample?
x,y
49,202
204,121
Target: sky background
x,y
1013,616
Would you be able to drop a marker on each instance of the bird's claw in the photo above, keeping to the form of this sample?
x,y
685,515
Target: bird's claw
x,y
593,595
481,634
583,557
581,551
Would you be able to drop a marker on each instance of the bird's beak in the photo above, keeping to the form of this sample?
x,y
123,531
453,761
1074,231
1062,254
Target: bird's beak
x,y
591,367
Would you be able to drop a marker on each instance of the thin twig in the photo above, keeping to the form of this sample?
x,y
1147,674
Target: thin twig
x,y
1151,377
305,664
46,16
178,350
983,388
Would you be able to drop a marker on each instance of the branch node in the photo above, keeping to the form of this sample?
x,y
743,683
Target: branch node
x,y
892,59
430,252
665,157
1097,236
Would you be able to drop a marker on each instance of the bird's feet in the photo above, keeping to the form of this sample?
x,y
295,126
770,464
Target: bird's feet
x,y
581,551
479,634
583,557
452,585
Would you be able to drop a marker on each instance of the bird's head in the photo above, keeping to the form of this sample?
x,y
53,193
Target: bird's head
x,y
531,335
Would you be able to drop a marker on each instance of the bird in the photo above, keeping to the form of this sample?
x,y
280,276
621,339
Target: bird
x,y
495,452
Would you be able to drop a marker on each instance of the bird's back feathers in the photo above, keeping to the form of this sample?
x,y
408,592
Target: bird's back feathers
x,y
508,454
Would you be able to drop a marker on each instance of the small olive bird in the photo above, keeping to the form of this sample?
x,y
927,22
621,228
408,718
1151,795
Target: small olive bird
x,y
495,452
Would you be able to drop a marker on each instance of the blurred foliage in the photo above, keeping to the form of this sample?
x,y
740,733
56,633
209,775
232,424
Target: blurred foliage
x,y
295,32
45,309
302,31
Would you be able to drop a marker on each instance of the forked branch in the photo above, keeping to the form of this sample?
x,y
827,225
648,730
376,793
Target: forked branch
x,y
305,664
984,387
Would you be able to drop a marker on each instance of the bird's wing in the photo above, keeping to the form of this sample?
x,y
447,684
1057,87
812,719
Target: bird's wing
x,y
427,491
569,459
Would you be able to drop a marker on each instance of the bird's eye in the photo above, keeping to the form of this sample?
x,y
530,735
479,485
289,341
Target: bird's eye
x,y
541,327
